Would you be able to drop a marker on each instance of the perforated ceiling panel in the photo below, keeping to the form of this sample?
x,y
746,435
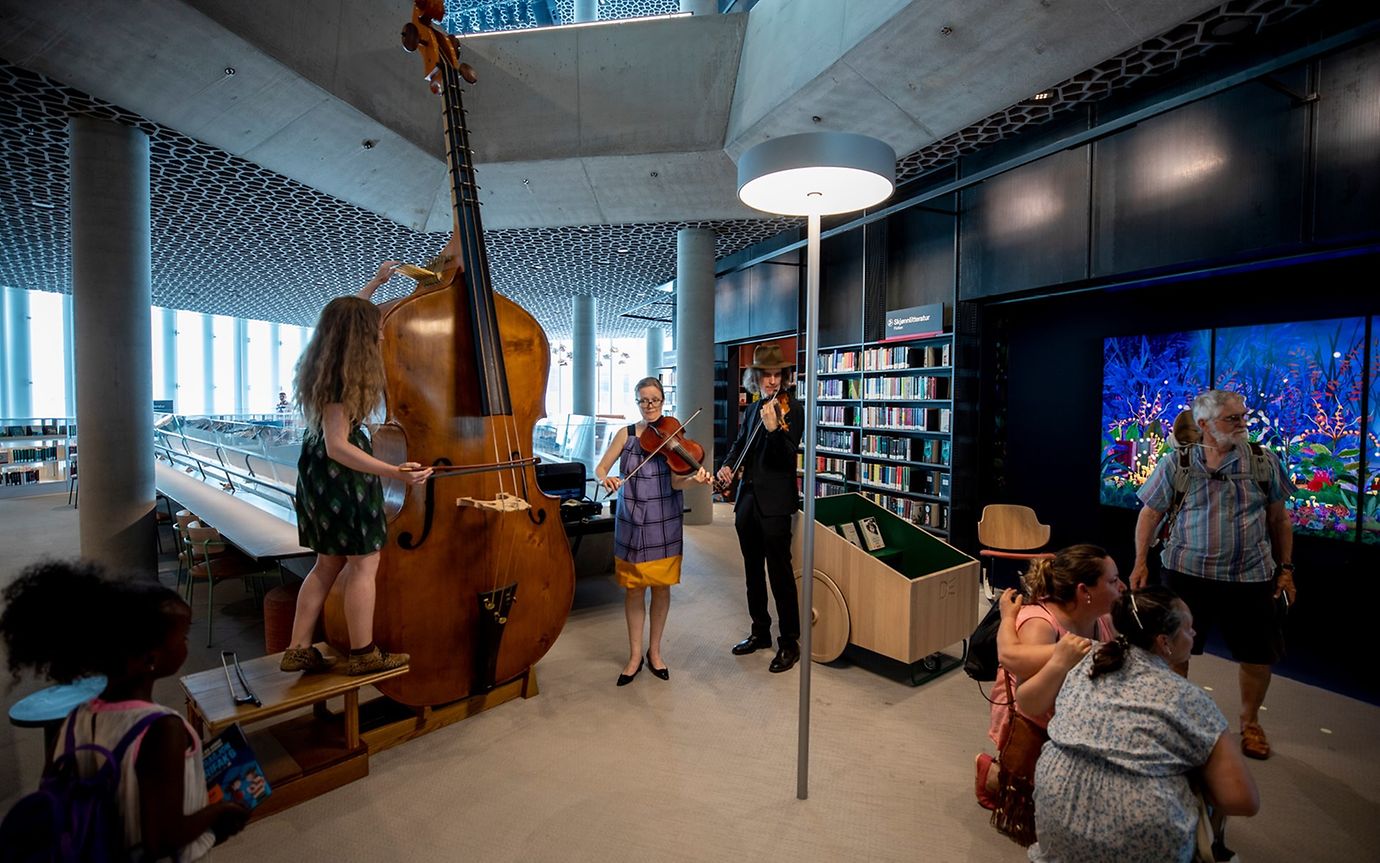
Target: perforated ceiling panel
x,y
232,238
482,16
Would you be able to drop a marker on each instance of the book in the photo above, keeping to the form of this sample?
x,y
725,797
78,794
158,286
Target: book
x,y
850,533
871,534
232,771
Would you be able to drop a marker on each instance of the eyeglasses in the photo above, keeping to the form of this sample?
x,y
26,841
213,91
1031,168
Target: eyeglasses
x,y
1233,419
649,403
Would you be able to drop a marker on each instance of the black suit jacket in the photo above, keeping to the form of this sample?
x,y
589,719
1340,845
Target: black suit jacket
x,y
771,463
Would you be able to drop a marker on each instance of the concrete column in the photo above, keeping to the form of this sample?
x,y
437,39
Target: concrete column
x,y
700,7
584,383
586,10
112,290
583,352
19,400
655,348
695,351
69,340
274,363
167,337
208,362
242,366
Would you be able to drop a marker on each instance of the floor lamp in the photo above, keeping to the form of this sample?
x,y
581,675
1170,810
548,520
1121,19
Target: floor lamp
x,y
813,174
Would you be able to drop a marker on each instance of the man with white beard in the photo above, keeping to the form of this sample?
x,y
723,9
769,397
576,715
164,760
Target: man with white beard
x,y
1229,549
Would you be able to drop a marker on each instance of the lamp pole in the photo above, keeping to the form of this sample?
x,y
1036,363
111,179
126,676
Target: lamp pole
x,y
811,175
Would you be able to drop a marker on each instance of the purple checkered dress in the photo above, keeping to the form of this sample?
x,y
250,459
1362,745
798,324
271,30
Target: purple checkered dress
x,y
649,520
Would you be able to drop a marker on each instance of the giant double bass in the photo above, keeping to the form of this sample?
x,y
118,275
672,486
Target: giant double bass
x,y
476,579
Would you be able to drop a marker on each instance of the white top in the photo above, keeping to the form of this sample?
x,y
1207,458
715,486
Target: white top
x,y
110,721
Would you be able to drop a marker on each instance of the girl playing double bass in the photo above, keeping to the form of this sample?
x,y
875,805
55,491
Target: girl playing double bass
x,y
339,499
647,529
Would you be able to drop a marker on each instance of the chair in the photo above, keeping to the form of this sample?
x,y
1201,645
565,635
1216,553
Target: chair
x,y
1009,532
181,520
213,560
161,517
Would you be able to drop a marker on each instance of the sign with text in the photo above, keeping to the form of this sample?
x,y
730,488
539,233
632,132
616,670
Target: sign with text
x,y
914,322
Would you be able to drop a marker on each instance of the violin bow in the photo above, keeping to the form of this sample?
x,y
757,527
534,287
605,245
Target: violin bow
x,y
661,445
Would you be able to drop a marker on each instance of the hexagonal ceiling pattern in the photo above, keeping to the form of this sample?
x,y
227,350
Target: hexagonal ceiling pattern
x,y
232,238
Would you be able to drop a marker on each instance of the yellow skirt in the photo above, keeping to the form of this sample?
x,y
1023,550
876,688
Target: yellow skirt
x,y
651,573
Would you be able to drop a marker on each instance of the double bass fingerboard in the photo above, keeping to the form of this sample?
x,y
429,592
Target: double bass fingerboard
x,y
478,297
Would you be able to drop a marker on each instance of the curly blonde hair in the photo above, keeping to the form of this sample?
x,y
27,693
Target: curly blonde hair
x,y
342,363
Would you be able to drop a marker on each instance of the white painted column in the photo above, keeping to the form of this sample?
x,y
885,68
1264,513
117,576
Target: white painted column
x,y
656,346
586,10
69,340
242,366
167,330
19,402
112,290
208,362
695,352
584,385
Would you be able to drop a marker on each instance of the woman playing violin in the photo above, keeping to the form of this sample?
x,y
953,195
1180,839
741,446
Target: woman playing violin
x,y
647,529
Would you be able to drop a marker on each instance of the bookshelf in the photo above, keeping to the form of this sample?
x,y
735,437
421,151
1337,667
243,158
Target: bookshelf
x,y
33,451
885,426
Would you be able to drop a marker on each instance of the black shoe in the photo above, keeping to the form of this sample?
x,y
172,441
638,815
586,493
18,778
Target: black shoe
x,y
785,659
664,673
625,679
752,643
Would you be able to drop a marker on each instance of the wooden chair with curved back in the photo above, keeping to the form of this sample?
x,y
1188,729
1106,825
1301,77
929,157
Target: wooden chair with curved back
x,y
1009,532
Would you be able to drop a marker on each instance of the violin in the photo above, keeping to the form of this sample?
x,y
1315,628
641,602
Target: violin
x,y
725,489
683,455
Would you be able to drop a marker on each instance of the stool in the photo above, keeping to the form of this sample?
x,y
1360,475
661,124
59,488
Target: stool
x,y
47,708
280,605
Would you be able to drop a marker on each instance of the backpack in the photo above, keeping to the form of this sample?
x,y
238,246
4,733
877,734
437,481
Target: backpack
x,y
71,817
1181,469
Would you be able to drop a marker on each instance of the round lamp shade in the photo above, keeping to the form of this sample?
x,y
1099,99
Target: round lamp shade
x,y
816,173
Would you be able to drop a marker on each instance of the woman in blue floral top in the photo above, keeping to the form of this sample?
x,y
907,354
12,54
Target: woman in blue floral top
x,y
1113,781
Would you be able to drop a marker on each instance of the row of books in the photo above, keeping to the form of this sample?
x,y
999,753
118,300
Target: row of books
x,y
22,477
826,487
904,478
47,428
837,388
838,415
922,419
919,512
906,357
20,455
828,464
905,387
836,362
836,440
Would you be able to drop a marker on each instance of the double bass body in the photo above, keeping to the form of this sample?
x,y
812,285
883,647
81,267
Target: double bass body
x,y
476,594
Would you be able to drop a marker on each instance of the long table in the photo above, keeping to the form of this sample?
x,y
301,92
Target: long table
x,y
260,529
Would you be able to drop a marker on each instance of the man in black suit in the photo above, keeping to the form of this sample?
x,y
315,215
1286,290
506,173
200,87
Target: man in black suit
x,y
765,502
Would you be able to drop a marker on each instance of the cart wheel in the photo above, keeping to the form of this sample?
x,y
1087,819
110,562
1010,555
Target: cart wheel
x,y
930,662
828,618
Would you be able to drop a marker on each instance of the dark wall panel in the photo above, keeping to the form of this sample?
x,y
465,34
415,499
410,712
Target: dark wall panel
x,y
775,297
840,290
732,295
920,257
1348,143
1212,179
1026,228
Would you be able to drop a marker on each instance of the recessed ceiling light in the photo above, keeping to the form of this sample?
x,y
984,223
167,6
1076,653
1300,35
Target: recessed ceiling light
x,y
623,251
602,261
1043,95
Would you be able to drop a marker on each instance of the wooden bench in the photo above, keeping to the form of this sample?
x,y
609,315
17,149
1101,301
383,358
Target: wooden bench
x,y
303,756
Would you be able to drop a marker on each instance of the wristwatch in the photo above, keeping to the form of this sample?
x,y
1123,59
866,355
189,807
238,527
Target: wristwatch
x,y
1287,567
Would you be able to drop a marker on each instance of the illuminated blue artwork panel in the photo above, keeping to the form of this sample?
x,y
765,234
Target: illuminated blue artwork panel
x,y
1370,500
1302,383
1146,382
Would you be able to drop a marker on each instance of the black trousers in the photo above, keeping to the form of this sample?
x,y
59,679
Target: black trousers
x,y
766,544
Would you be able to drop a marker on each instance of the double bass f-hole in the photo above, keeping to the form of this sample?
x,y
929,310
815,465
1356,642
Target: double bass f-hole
x,y
429,511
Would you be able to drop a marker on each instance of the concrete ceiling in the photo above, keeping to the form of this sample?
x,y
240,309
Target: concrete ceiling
x,y
638,122
234,236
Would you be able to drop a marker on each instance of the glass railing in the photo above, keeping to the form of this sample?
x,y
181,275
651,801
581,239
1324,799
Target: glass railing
x,y
255,455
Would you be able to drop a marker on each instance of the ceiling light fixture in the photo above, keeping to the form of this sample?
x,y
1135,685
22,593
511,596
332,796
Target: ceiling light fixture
x,y
1043,95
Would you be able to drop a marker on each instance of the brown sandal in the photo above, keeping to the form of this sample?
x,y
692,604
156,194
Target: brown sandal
x,y
1254,743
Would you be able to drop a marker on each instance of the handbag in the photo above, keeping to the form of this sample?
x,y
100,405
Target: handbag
x,y
981,661
1015,812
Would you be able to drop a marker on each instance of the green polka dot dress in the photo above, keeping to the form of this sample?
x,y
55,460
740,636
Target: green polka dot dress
x,y
339,510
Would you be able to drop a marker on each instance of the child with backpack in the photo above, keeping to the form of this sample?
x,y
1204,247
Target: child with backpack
x,y
73,620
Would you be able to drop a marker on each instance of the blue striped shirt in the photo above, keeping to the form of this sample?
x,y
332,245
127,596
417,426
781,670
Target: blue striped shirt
x,y
1221,532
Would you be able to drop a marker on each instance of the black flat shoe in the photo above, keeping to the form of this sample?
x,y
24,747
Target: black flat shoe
x,y
664,673
625,679
752,643
785,659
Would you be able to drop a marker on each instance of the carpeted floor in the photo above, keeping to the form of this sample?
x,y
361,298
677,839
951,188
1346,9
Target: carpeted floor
x,y
702,767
